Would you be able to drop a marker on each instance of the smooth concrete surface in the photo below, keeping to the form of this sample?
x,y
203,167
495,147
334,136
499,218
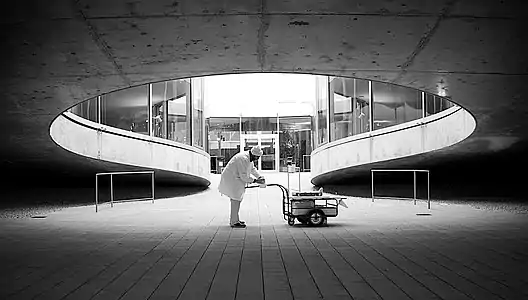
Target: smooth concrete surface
x,y
434,132
96,141
183,248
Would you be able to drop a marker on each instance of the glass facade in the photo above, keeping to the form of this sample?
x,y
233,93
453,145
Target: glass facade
x,y
348,106
87,109
435,104
395,105
321,107
198,126
223,140
259,124
295,141
172,110
126,109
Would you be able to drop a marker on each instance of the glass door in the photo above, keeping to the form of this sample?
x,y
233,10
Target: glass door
x,y
269,144
248,143
267,160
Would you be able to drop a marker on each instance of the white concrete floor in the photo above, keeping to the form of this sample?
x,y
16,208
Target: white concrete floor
x,y
183,248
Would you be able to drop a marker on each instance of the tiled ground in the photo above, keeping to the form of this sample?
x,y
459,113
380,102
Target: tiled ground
x,y
183,248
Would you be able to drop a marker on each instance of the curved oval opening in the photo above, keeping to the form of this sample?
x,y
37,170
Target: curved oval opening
x,y
299,119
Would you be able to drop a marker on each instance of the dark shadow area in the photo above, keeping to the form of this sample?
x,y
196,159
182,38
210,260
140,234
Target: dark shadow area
x,y
20,202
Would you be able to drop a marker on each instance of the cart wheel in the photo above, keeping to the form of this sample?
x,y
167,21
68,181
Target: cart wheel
x,y
316,217
291,221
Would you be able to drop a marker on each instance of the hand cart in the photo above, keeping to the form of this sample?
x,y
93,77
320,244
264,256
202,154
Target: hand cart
x,y
309,208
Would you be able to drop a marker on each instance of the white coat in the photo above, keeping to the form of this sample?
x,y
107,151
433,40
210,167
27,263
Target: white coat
x,y
235,176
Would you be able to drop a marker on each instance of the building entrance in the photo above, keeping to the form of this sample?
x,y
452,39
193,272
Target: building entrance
x,y
269,143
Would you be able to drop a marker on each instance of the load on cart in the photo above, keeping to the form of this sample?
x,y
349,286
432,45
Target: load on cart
x,y
309,207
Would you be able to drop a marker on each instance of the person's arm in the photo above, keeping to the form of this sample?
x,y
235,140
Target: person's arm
x,y
242,170
254,171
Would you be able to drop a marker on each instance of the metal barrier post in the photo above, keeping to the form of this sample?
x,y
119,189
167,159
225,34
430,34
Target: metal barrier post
x,y
299,179
152,174
112,187
414,173
288,171
111,190
428,197
414,184
96,192
372,183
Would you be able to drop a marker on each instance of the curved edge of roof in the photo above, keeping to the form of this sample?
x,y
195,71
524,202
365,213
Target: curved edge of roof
x,y
431,133
96,141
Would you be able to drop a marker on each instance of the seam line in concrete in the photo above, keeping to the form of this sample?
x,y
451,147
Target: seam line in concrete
x,y
426,38
100,42
198,262
218,265
261,35
326,261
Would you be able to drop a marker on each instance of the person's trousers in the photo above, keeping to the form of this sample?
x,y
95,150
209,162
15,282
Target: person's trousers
x,y
235,208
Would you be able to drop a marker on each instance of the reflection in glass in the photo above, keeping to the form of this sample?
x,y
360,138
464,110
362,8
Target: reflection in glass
x,y
159,109
268,155
342,118
223,138
362,107
263,124
321,103
435,104
295,140
177,108
395,104
86,109
126,109
198,113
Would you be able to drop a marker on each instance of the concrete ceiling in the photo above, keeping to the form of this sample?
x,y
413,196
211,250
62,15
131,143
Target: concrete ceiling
x,y
58,53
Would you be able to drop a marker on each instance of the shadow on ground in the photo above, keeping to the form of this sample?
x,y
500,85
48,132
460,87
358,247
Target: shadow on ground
x,y
38,201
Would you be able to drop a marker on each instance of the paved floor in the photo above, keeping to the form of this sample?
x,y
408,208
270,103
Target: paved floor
x,y
183,248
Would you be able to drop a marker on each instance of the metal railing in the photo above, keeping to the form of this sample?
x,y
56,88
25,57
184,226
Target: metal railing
x,y
414,185
112,187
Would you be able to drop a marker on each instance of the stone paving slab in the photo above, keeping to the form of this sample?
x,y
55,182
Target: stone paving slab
x,y
183,248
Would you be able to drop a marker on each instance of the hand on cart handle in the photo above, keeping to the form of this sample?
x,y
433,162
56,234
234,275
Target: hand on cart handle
x,y
260,180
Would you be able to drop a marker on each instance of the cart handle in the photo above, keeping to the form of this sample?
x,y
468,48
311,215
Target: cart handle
x,y
285,195
285,192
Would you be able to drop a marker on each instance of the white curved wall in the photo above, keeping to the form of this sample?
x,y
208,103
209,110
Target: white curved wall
x,y
124,147
431,133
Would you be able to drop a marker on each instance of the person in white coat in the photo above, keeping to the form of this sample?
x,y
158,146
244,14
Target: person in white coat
x,y
235,176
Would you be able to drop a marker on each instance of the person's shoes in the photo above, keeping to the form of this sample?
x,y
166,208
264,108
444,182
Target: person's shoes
x,y
242,222
238,225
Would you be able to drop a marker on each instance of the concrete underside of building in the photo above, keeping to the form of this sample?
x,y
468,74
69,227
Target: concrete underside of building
x,y
59,53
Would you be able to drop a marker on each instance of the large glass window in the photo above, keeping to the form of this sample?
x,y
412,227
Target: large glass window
x,y
321,103
197,85
395,104
264,125
342,118
362,106
295,140
224,139
159,109
126,109
435,104
86,109
177,110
